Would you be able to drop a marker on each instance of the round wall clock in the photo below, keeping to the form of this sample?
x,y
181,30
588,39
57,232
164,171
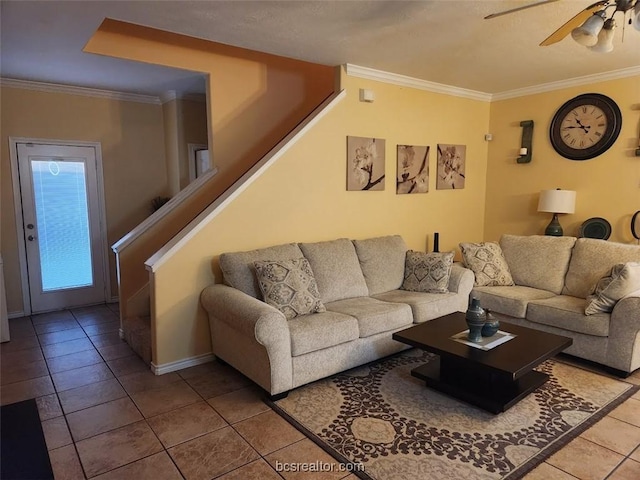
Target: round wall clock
x,y
586,126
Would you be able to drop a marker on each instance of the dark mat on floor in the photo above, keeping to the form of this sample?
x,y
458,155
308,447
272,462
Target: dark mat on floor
x,y
23,450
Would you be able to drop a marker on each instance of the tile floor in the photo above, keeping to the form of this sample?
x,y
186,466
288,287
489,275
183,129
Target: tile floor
x,y
106,416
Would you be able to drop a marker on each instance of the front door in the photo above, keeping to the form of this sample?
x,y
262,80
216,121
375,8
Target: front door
x,y
61,218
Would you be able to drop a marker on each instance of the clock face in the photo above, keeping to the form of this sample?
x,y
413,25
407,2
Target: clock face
x,y
585,126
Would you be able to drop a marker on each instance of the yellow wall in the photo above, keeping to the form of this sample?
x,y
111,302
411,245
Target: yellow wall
x,y
192,116
254,100
303,198
607,186
131,136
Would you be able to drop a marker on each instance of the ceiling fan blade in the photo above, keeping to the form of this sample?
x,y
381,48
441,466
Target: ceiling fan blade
x,y
575,22
517,9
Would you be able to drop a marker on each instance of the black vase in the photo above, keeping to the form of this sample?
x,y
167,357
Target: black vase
x,y
476,318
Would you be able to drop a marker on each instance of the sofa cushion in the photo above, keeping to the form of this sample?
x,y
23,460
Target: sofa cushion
x,y
382,262
374,316
623,280
424,306
538,261
289,285
591,260
238,270
511,301
427,272
487,262
566,312
321,330
336,268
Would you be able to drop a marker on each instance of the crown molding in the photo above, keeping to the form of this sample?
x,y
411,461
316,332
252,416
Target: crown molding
x,y
173,95
404,81
570,82
74,90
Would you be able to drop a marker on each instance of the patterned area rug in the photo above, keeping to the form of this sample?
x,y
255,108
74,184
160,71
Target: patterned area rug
x,y
379,416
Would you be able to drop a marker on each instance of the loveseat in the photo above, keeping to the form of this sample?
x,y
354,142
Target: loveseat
x,y
360,305
548,283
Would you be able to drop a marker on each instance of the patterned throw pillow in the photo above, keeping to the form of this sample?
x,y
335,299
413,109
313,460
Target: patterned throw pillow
x,y
623,280
289,286
427,272
487,262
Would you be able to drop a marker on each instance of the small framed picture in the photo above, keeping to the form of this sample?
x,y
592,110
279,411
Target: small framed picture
x,y
451,166
365,163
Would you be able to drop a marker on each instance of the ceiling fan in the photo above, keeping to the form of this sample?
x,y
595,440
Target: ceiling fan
x,y
593,27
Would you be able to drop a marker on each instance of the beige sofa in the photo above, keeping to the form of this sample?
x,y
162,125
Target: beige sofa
x,y
553,277
359,284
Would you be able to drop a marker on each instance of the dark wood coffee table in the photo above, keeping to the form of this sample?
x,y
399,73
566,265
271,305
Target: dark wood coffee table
x,y
495,379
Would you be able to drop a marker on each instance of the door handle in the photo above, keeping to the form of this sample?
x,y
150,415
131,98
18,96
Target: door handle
x,y
31,238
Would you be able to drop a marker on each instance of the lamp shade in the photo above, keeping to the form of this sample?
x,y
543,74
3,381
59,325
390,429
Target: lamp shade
x,y
557,201
587,33
605,38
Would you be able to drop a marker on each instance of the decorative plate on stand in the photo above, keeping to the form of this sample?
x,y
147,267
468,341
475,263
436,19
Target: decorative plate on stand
x,y
596,227
635,225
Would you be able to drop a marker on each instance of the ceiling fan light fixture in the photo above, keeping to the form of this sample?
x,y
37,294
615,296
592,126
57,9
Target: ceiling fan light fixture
x,y
605,38
587,33
636,16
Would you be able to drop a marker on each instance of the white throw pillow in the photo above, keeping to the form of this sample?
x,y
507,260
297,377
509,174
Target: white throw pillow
x,y
623,280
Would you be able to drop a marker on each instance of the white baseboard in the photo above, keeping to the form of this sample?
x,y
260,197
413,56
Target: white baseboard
x,y
180,364
16,315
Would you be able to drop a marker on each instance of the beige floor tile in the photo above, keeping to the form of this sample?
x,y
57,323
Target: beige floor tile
x,y
636,455
160,400
56,433
43,328
628,412
16,392
91,310
256,470
571,459
141,381
96,319
629,470
21,328
73,360
218,383
90,395
305,455
49,407
116,448
126,365
614,434
12,373
185,423
544,471
119,350
67,348
19,357
111,338
240,405
61,336
212,454
79,377
155,467
51,317
268,432
17,344
65,463
101,328
213,367
102,418
636,395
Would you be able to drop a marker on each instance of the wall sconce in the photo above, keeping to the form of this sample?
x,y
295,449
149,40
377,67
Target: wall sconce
x,y
556,201
527,139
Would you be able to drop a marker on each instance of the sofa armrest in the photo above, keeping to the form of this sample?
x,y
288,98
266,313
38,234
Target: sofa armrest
x,y
249,315
461,279
624,333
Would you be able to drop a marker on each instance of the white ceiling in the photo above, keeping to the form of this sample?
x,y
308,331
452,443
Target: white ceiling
x,y
444,41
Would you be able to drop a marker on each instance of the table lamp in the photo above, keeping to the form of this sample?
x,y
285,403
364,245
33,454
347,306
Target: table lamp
x,y
556,202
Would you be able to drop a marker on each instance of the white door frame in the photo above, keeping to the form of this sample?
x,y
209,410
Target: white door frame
x,y
17,202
